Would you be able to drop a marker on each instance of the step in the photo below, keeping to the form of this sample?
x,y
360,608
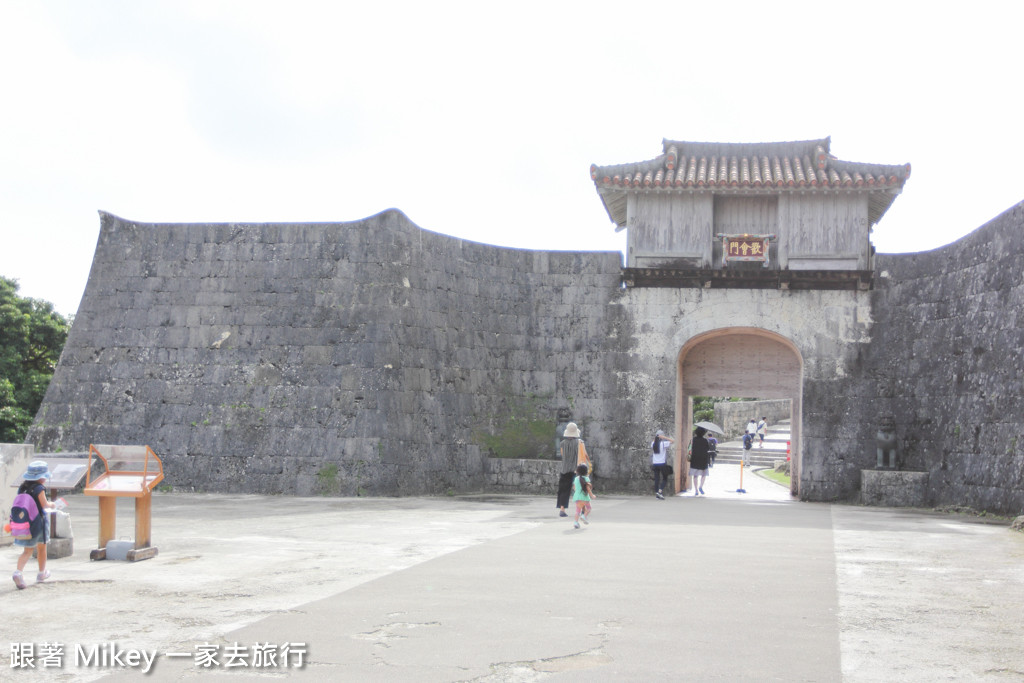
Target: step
x,y
761,457
753,461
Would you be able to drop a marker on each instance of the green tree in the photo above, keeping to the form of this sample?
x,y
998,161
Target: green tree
x,y
32,335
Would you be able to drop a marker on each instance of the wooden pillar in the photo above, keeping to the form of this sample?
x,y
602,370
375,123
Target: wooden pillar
x,y
108,520
143,521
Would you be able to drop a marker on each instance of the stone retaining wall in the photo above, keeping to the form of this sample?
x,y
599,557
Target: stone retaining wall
x,y
894,489
732,416
14,460
534,477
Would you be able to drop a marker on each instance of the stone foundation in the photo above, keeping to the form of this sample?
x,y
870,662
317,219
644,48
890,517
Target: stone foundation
x,y
889,488
534,477
57,548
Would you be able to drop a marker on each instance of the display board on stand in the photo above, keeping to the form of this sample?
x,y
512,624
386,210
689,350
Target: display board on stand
x,y
124,472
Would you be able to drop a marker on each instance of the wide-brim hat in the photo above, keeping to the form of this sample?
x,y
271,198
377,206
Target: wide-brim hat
x,y
571,431
36,470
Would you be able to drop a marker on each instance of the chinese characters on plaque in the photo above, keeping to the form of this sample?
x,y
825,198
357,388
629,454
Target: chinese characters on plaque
x,y
745,248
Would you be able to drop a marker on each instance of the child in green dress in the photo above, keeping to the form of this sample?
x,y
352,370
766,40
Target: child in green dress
x,y
582,492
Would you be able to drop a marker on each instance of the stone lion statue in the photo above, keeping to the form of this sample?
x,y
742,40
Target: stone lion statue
x,y
885,442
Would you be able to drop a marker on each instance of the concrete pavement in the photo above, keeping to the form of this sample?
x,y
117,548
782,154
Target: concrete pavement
x,y
728,586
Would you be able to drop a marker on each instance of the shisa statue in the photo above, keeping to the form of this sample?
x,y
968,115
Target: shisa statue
x,y
885,442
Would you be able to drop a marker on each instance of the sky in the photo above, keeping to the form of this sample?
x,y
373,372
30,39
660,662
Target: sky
x,y
476,119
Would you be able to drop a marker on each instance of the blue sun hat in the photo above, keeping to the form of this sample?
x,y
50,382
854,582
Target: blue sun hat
x,y
36,470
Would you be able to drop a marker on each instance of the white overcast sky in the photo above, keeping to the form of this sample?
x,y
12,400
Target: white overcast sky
x,y
477,119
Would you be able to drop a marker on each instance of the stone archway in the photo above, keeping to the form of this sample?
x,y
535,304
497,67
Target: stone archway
x,y
739,361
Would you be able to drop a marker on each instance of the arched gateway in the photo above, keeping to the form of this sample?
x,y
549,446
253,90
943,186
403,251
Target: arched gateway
x,y
755,262
739,361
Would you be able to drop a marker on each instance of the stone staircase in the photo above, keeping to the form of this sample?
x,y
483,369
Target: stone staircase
x,y
729,454
775,444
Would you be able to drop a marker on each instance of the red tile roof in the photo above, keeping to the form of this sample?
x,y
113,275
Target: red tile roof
x,y
747,168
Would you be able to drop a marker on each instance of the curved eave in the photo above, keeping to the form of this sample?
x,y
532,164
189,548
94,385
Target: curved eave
x,y
615,203
749,168
616,199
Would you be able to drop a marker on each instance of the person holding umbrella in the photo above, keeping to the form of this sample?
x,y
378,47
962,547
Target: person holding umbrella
x,y
699,457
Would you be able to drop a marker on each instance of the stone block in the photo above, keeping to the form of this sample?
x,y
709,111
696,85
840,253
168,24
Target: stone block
x,y
889,488
58,548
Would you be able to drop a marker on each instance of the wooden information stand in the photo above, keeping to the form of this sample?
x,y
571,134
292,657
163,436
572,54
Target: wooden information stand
x,y
128,472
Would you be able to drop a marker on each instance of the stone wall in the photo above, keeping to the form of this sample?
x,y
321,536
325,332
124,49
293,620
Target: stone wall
x,y
732,416
947,360
364,357
14,460
375,357
894,489
523,476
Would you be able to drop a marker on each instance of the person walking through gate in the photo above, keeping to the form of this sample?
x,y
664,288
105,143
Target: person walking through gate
x,y
660,464
700,458
34,476
762,431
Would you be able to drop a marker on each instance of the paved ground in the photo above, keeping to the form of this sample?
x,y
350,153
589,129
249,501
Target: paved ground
x,y
728,586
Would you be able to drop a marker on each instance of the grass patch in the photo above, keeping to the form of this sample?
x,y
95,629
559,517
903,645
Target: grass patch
x,y
327,479
524,431
777,477
520,438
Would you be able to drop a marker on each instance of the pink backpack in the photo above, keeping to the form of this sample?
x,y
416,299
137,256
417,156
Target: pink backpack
x,y
26,522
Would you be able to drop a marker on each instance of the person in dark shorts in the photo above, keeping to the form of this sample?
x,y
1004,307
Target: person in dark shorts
x,y
660,462
35,485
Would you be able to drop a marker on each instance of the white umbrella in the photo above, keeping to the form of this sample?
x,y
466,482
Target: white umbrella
x,y
710,426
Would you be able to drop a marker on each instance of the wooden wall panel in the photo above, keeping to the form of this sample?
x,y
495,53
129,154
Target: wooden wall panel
x,y
670,225
739,364
753,215
824,225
